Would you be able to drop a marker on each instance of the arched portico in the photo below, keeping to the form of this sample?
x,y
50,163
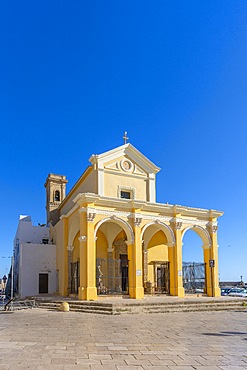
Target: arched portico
x,y
112,236
157,238
148,249
209,245
160,226
122,223
202,232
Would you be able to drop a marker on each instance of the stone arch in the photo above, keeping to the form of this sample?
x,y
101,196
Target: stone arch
x,y
202,233
125,226
156,260
196,275
162,226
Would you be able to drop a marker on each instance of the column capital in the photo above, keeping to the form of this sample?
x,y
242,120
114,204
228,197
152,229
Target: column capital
x,y
70,248
178,225
137,221
170,244
213,229
82,238
91,216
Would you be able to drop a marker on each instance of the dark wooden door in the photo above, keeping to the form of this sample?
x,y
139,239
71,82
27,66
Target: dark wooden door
x,y
124,271
43,283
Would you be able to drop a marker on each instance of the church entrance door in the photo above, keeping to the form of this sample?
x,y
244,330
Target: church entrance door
x,y
112,275
162,273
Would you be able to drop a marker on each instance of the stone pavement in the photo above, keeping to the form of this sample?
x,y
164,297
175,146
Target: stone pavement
x,y
38,339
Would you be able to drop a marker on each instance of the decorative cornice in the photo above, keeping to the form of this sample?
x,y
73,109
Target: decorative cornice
x,y
130,152
190,221
194,216
204,215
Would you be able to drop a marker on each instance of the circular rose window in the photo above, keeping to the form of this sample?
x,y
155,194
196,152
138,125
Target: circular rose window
x,y
126,165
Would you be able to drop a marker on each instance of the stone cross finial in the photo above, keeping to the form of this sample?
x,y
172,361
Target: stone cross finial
x,y
125,137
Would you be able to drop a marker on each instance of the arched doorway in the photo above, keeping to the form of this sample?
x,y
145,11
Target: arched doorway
x,y
195,241
157,238
112,262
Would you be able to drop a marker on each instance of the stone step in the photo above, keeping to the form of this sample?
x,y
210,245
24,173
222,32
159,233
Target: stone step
x,y
78,307
130,308
177,309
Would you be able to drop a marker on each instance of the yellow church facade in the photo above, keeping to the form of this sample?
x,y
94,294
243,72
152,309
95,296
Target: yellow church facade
x,y
112,236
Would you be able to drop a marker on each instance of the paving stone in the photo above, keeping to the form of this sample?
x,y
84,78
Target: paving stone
x,y
40,339
163,367
181,367
118,348
129,368
101,367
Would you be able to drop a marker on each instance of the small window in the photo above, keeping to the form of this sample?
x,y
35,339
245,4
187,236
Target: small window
x,y
45,241
125,194
57,196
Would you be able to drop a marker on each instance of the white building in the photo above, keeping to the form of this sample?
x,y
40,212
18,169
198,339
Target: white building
x,y
34,259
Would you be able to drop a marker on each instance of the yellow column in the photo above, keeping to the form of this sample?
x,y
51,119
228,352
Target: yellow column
x,y
65,259
206,251
87,290
176,272
136,289
214,271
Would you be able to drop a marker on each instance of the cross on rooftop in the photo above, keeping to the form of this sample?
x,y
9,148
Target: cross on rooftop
x,y
125,137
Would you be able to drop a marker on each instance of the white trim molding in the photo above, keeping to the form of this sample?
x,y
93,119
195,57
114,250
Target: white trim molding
x,y
124,224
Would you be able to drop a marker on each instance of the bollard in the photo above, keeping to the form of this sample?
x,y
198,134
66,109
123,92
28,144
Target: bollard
x,y
64,307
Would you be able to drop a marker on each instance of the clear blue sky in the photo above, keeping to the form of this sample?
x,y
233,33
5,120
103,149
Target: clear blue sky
x,y
75,75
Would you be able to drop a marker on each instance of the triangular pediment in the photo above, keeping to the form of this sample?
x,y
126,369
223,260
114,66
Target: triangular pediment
x,y
125,158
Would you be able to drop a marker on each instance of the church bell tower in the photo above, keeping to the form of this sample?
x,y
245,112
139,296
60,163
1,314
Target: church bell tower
x,y
55,193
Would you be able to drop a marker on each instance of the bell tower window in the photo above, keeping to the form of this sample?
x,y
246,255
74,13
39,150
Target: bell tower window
x,y
57,196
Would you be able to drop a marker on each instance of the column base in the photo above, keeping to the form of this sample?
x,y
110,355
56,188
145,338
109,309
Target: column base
x,y
87,294
179,292
136,293
216,292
